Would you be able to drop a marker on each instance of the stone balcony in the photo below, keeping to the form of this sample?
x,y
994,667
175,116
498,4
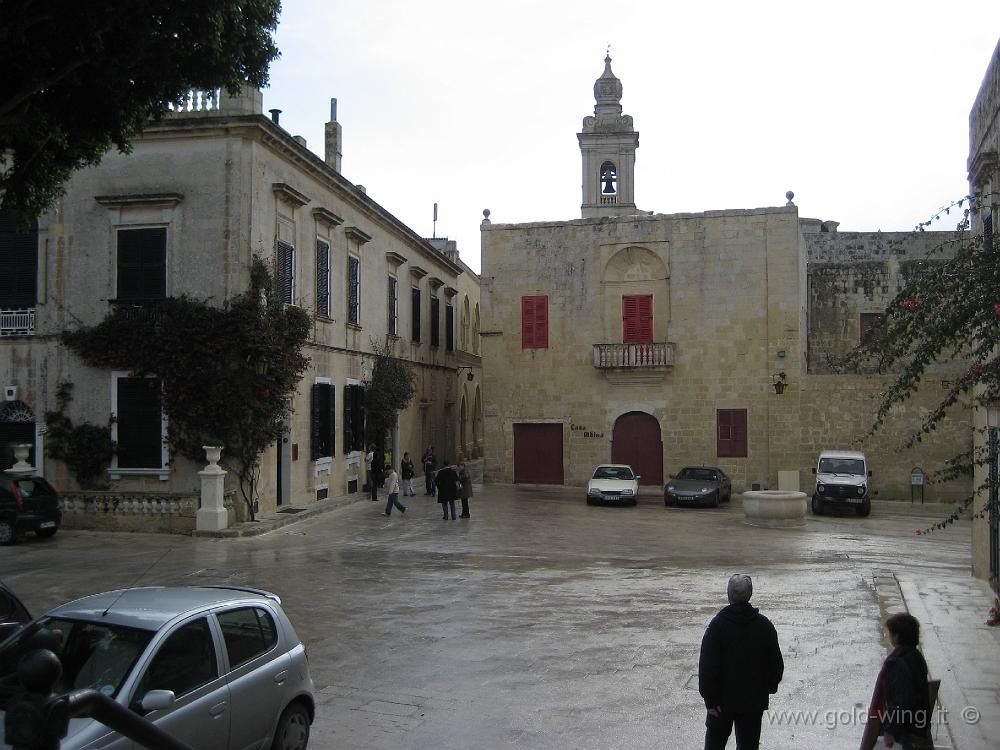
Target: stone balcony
x,y
18,322
217,102
632,364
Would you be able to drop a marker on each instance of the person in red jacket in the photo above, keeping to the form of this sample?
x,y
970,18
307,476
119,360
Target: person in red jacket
x,y
740,666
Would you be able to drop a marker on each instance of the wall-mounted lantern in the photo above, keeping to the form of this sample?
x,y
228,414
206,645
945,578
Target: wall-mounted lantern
x,y
778,380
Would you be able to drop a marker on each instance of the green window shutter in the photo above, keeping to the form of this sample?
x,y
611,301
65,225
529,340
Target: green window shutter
x,y
140,431
142,264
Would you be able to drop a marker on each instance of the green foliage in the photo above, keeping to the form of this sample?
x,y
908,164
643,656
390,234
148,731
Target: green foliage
x,y
228,373
82,77
948,310
388,390
85,448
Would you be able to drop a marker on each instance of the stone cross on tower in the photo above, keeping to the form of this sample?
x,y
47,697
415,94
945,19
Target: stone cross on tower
x,y
607,145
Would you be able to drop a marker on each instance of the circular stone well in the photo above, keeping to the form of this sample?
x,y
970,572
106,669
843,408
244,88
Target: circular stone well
x,y
774,508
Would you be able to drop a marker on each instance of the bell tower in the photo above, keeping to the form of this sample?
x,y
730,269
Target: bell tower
x,y
607,145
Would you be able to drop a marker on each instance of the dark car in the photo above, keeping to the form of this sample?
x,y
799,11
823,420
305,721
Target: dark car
x,y
12,613
27,504
698,485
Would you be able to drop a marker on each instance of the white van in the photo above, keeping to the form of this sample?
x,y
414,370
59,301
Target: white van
x,y
842,482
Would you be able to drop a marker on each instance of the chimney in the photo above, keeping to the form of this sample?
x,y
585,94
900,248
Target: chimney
x,y
275,114
299,139
334,138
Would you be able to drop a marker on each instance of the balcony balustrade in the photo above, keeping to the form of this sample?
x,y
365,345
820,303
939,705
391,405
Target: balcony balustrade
x,y
634,363
17,322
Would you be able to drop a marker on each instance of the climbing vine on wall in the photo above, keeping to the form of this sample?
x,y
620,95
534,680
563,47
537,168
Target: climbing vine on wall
x,y
85,448
948,309
228,373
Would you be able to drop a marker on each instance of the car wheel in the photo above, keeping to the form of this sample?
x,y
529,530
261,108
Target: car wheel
x,y
7,535
590,501
293,729
717,499
46,533
817,506
865,509
666,501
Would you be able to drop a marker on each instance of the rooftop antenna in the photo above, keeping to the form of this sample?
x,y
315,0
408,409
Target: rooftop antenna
x,y
434,230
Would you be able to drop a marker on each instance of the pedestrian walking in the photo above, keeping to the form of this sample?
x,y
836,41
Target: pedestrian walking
x,y
901,701
464,488
740,666
369,461
392,489
446,482
408,473
430,463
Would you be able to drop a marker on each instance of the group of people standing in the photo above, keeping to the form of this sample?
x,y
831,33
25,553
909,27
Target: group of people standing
x,y
448,484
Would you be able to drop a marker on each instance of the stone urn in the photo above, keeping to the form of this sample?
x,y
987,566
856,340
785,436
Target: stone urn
x,y
21,465
213,453
775,509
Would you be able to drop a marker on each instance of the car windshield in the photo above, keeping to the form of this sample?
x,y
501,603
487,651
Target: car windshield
x,y
698,475
842,466
94,655
613,472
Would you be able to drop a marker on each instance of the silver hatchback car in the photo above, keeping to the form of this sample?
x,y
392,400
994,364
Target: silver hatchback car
x,y
217,668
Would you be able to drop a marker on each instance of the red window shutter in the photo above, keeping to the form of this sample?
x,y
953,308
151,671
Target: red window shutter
x,y
527,322
740,432
731,439
637,318
534,322
542,322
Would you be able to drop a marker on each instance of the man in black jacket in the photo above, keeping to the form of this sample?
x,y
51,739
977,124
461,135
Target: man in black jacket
x,y
740,667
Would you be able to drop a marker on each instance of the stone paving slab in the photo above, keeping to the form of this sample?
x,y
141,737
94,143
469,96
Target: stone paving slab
x,y
962,651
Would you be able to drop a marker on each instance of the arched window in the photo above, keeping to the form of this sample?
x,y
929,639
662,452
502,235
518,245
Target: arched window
x,y
465,324
609,179
475,330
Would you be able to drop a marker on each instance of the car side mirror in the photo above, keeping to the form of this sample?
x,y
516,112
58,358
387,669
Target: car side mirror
x,y
869,472
671,476
814,469
156,700
637,477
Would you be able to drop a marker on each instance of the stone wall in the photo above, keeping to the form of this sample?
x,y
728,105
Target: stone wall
x,y
850,273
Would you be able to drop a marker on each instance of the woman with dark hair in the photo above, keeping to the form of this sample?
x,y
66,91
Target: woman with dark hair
x,y
901,701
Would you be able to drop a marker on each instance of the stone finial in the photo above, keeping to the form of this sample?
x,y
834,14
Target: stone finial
x,y
789,195
486,216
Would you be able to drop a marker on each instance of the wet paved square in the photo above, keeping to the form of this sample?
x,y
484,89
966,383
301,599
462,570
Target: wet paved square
x,y
540,622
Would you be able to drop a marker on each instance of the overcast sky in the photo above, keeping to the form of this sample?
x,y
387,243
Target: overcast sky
x,y
860,108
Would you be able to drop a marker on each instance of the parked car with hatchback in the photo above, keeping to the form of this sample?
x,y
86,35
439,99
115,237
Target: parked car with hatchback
x,y
27,504
613,484
842,482
698,485
214,667
13,614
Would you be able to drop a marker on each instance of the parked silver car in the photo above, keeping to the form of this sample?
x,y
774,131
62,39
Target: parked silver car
x,y
217,668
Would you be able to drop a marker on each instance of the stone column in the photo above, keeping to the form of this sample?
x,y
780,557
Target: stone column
x,y
21,466
212,515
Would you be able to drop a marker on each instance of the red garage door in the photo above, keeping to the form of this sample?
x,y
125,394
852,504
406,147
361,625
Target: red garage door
x,y
538,454
636,441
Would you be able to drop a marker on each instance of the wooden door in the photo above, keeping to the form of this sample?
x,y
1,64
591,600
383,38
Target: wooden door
x,y
538,454
636,441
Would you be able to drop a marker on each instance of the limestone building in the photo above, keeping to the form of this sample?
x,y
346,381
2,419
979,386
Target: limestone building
x,y
213,184
984,181
666,340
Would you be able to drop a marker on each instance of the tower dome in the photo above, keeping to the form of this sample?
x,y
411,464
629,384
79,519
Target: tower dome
x,y
607,90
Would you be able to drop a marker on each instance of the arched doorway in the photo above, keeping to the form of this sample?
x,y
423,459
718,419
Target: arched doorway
x,y
636,441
